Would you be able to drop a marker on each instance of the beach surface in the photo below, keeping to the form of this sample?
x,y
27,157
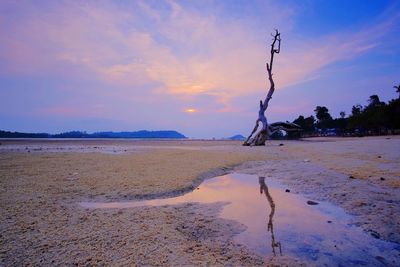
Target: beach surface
x,y
43,182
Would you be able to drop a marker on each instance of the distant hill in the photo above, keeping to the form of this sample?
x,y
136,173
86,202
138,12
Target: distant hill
x,y
140,134
237,137
78,134
5,134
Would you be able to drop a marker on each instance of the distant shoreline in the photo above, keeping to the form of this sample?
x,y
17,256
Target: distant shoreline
x,y
142,134
94,139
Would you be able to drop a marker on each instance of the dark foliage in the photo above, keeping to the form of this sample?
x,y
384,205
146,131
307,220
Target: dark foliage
x,y
79,134
325,120
5,134
376,118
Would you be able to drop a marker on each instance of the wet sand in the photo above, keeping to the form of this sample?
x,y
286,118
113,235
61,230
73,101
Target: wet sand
x,y
42,183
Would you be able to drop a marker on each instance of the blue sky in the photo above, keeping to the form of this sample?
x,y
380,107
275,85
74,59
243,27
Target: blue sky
x,y
194,66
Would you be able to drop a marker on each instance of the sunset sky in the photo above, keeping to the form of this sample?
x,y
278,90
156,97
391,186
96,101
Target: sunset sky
x,y
197,67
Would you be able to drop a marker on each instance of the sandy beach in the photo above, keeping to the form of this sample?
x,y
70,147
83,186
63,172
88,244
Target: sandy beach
x,y
43,182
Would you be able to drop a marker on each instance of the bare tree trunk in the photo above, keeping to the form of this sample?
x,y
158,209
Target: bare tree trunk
x,y
264,189
267,130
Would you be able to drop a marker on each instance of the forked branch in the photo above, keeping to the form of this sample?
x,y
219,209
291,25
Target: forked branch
x,y
264,133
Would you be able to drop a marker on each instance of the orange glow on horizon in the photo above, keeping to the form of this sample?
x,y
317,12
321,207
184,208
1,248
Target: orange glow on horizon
x,y
191,110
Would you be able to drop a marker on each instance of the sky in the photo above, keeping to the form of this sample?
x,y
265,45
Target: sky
x,y
197,67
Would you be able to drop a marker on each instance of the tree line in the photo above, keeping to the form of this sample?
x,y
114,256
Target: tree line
x,y
375,118
143,134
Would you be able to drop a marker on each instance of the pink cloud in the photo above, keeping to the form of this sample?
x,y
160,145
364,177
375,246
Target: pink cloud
x,y
198,54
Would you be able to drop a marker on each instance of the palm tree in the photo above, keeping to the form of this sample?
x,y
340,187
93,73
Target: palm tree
x,y
398,89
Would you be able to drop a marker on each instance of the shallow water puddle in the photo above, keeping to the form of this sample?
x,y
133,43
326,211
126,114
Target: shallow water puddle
x,y
280,223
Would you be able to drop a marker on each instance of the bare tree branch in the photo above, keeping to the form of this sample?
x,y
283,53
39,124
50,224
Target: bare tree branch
x,y
264,133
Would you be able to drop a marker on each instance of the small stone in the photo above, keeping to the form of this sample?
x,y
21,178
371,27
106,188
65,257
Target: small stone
x,y
329,221
374,234
281,144
198,188
379,157
310,202
287,190
383,179
352,177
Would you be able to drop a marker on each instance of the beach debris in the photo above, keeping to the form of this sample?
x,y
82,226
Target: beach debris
x,y
379,157
352,177
287,190
281,144
329,221
306,160
374,234
383,179
310,202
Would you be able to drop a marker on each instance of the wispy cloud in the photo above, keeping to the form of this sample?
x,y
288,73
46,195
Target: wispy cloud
x,y
306,58
169,48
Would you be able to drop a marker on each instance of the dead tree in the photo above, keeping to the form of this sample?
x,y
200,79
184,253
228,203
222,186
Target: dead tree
x,y
268,129
264,189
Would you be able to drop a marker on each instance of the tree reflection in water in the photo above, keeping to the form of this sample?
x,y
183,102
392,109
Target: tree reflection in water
x,y
264,189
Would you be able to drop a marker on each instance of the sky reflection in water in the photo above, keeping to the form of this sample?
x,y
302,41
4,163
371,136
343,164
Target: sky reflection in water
x,y
280,223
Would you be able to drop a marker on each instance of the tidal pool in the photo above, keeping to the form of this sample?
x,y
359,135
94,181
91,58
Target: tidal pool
x,y
282,223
